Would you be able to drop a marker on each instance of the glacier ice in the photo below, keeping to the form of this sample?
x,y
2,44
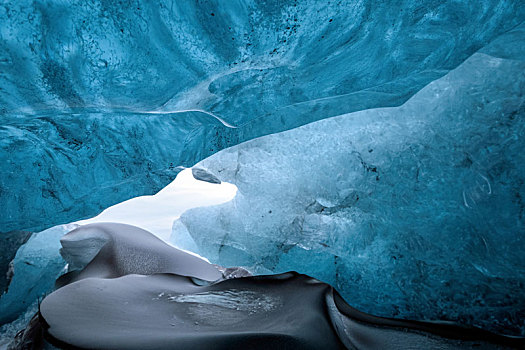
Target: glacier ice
x,y
413,211
36,266
100,102
10,242
61,168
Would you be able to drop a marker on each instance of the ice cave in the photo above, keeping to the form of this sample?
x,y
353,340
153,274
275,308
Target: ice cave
x,y
259,174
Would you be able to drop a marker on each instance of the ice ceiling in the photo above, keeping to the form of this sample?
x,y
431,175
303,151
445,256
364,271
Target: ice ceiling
x,y
407,197
101,100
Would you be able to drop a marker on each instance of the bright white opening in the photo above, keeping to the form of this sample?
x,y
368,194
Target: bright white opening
x,y
157,213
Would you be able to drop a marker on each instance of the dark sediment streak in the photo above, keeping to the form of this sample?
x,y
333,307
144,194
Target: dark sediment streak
x,y
165,310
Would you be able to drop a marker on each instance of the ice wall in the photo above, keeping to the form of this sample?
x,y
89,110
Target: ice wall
x,y
57,169
88,89
414,211
35,267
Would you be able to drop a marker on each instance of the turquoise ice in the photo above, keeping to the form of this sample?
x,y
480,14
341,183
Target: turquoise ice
x,y
375,146
94,95
413,211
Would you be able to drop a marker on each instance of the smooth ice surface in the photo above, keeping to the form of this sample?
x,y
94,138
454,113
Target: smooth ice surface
x,y
100,101
415,211
110,250
139,292
288,311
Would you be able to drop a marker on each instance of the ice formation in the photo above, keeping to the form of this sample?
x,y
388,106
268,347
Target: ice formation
x,y
414,211
10,243
376,147
288,311
38,262
110,250
101,101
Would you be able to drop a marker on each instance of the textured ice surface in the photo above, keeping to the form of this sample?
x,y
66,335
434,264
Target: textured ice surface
x,y
8,331
10,242
415,211
87,89
61,168
36,266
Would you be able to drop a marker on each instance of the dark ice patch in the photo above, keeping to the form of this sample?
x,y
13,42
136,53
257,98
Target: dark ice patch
x,y
203,175
285,311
